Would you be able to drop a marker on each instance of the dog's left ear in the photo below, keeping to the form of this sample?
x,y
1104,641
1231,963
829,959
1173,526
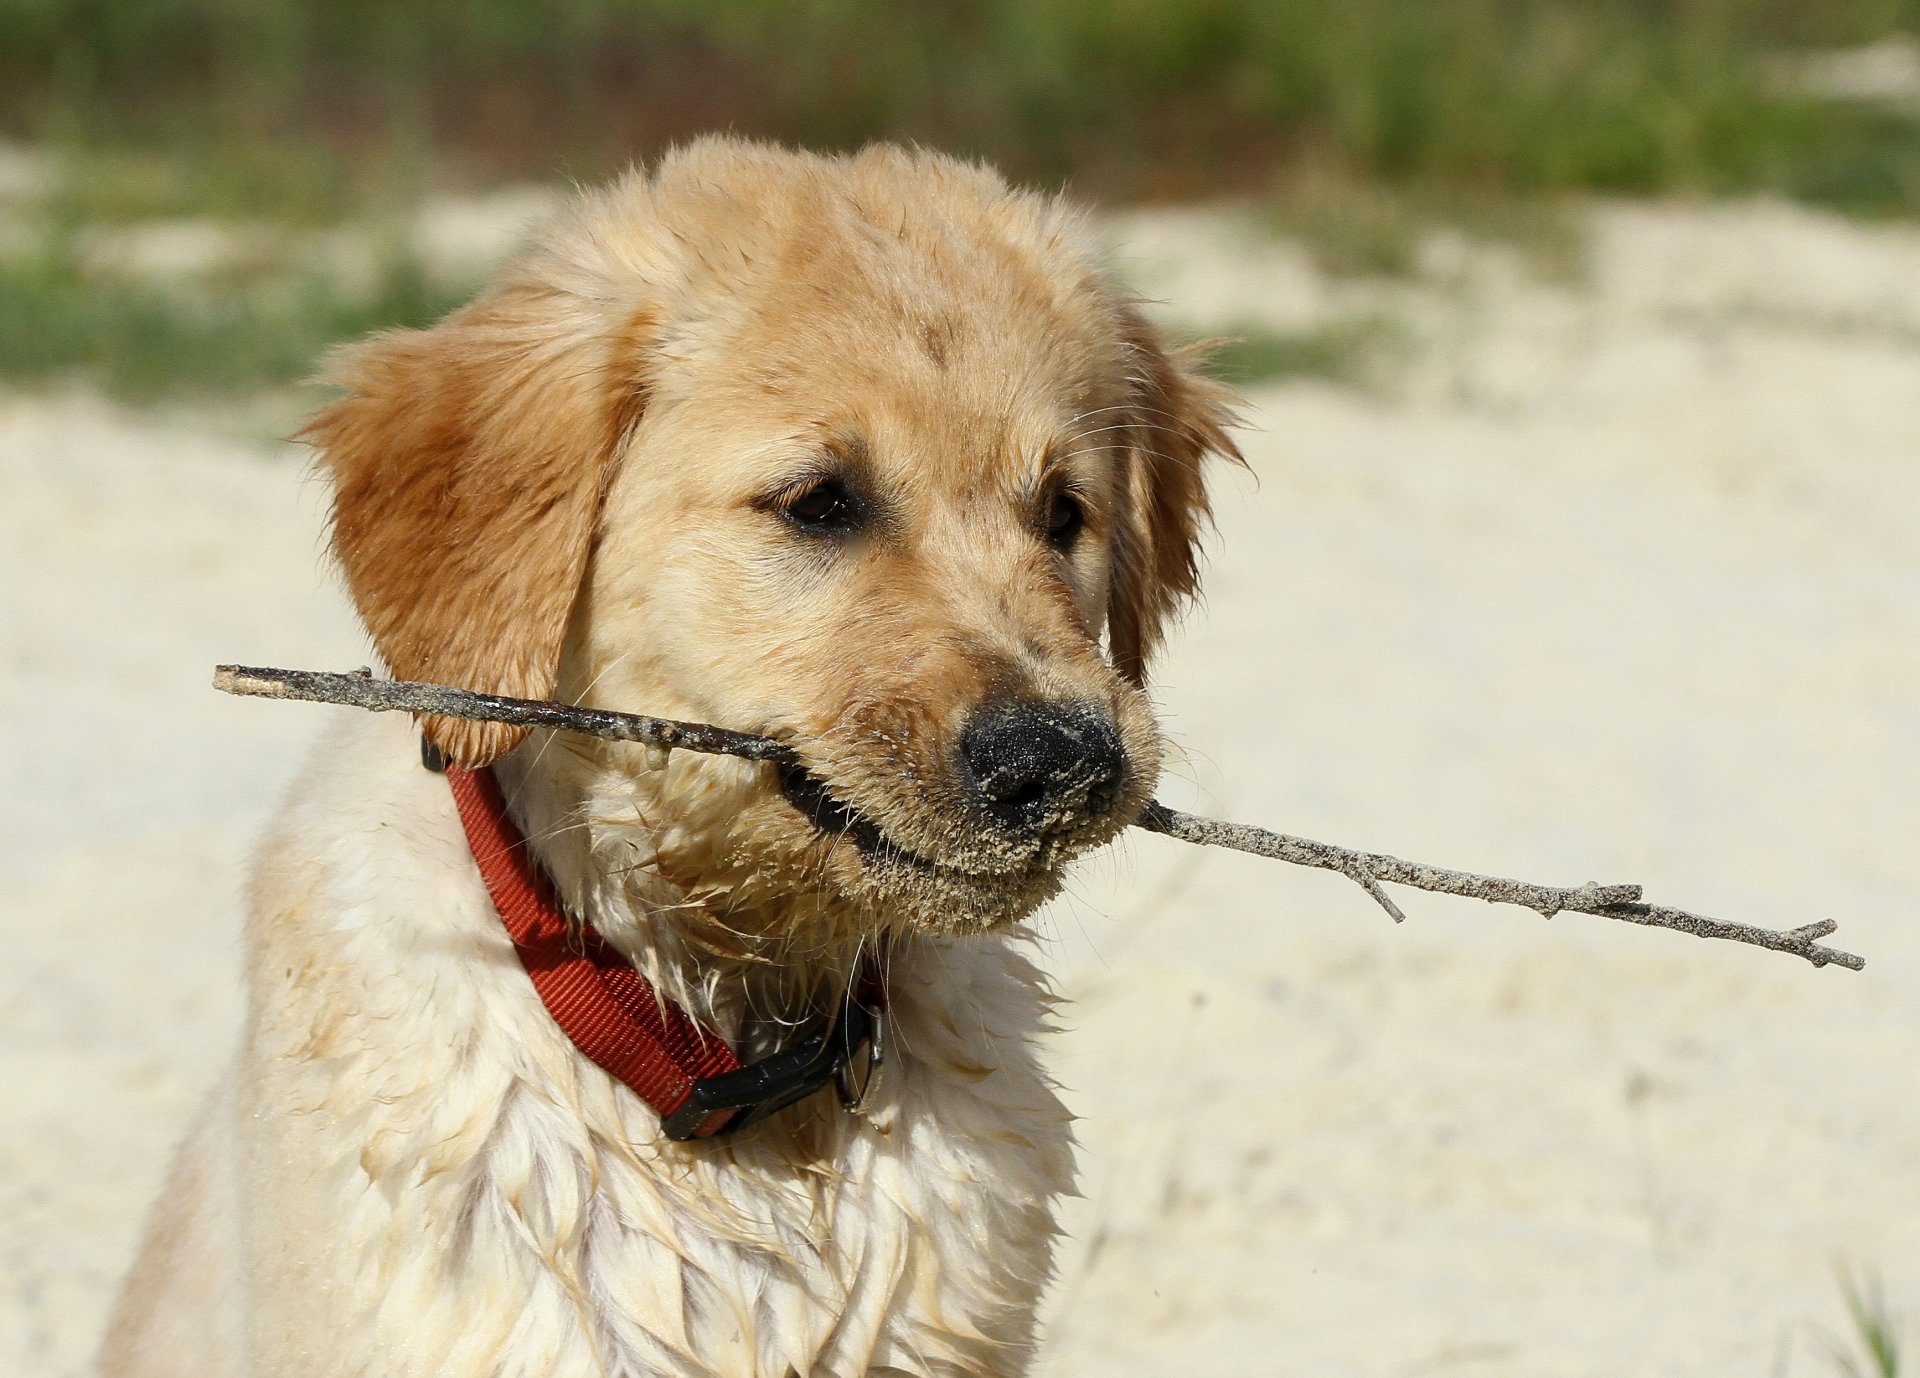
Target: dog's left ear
x,y
1176,418
468,463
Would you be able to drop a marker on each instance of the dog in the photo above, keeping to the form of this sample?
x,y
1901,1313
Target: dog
x,y
868,453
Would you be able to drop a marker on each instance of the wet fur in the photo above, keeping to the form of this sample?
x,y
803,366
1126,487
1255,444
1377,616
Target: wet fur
x,y
571,487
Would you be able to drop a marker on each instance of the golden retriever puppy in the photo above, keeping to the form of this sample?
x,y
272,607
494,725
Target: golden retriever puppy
x,y
867,453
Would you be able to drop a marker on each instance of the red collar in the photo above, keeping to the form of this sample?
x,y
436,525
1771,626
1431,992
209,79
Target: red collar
x,y
613,1014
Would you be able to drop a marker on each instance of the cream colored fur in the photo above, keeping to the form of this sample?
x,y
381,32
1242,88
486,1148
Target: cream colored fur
x,y
410,1172
433,1182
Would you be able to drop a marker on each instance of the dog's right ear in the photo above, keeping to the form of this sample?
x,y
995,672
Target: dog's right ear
x,y
468,462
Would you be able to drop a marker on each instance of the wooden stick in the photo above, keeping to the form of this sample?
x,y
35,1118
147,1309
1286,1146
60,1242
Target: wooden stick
x,y
359,689
1368,870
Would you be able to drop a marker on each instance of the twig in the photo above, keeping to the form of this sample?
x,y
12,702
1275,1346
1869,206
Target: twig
x,y
359,689
1368,870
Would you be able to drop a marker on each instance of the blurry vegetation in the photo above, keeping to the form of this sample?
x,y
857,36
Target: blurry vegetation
x,y
1347,349
1354,227
314,104
1873,1349
251,329
1363,123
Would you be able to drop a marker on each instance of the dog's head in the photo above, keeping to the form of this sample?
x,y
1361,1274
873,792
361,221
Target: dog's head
x,y
862,452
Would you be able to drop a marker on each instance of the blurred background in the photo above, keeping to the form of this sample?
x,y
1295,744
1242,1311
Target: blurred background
x,y
1581,341
1352,124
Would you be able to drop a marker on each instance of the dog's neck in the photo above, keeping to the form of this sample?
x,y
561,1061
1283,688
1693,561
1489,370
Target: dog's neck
x,y
597,829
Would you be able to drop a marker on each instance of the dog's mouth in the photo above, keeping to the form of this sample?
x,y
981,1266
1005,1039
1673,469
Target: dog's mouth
x,y
983,882
834,817
809,794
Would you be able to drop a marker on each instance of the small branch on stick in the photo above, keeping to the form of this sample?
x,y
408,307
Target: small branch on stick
x,y
1371,871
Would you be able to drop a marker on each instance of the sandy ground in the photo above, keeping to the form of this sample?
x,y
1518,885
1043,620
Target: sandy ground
x,y
1618,581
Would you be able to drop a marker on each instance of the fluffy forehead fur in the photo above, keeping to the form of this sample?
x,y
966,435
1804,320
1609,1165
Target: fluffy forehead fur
x,y
573,485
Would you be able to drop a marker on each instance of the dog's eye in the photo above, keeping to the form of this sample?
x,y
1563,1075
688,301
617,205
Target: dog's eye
x,y
1065,517
826,506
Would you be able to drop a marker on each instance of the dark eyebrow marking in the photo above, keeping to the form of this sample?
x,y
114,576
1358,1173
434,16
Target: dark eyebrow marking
x,y
934,338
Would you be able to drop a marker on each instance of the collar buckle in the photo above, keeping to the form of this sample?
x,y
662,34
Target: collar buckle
x,y
759,1089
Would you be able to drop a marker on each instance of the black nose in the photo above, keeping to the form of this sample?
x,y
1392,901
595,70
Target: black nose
x,y
1043,766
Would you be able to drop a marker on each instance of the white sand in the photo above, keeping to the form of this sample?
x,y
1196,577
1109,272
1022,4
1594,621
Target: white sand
x,y
1621,583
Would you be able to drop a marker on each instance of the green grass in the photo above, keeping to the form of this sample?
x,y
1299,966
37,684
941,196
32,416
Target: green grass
x,y
243,333
1343,350
1355,228
308,104
100,183
1873,1348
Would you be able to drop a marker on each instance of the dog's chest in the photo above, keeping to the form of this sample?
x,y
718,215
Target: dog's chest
x,y
903,1243
556,1232
482,1200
